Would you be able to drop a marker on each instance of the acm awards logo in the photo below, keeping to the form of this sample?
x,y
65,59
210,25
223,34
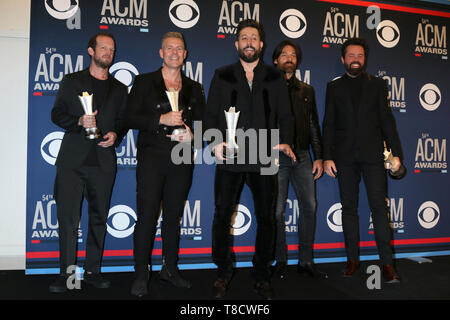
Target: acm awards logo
x,y
396,215
431,39
51,68
396,90
431,154
292,214
338,27
131,13
45,223
232,12
68,10
190,227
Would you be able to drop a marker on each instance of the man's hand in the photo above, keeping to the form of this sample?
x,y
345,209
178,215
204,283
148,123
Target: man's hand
x,y
172,118
88,121
182,137
395,164
218,150
330,168
110,138
286,149
317,169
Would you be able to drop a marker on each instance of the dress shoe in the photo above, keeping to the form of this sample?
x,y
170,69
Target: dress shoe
x,y
59,285
96,280
311,270
139,288
220,288
264,289
390,275
350,268
174,278
280,269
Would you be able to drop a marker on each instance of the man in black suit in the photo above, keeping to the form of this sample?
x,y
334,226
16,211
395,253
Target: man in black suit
x,y
161,180
356,123
259,93
87,167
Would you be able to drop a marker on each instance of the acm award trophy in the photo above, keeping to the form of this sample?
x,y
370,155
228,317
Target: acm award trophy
x,y
388,157
231,149
173,95
86,102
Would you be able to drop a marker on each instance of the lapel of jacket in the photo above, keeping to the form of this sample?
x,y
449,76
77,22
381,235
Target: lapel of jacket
x,y
160,90
185,93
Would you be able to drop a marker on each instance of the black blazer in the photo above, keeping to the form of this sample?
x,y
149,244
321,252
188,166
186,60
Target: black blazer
x,y
266,106
350,133
148,101
67,110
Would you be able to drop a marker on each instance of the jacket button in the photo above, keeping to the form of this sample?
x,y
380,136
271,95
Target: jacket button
x,y
157,106
189,108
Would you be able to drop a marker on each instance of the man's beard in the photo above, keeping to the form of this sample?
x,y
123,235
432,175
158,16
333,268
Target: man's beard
x,y
288,67
354,71
102,63
251,58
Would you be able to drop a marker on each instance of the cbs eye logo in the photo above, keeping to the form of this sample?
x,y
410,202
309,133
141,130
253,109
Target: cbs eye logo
x,y
241,221
124,72
430,97
292,23
121,221
428,214
61,9
50,146
334,217
184,13
388,34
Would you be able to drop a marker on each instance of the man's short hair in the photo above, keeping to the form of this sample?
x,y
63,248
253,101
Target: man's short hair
x,y
355,42
93,40
173,34
279,48
250,23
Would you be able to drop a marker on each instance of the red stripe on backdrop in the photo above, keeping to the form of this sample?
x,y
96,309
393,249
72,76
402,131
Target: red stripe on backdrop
x,y
390,7
243,249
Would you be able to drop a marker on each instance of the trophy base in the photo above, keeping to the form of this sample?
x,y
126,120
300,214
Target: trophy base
x,y
230,153
399,174
92,133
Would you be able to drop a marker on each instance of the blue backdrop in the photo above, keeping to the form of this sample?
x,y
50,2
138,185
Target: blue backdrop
x,y
408,48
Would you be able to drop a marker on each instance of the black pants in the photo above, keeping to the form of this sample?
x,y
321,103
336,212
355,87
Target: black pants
x,y
227,188
374,175
159,180
70,186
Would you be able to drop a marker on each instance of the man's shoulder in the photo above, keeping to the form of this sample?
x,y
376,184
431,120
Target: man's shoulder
x,y
272,73
227,72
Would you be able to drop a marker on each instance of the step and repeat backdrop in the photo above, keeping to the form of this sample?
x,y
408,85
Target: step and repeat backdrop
x,y
408,48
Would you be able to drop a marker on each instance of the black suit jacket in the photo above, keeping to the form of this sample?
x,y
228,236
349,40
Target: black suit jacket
x,y
148,101
357,132
266,106
67,110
